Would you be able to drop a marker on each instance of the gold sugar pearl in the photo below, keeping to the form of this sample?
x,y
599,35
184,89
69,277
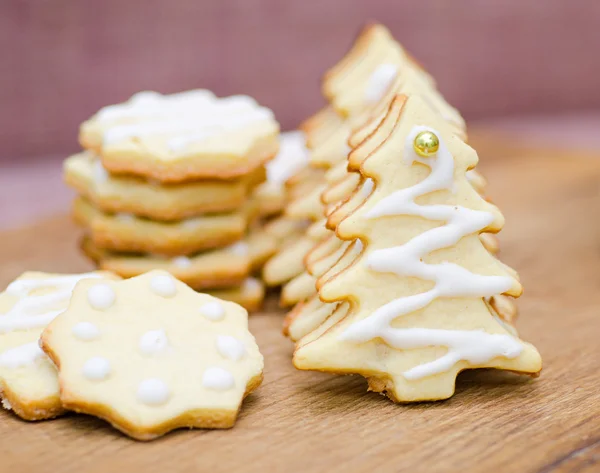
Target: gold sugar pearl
x,y
426,144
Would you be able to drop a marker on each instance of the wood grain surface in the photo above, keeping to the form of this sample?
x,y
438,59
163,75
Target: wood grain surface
x,y
301,421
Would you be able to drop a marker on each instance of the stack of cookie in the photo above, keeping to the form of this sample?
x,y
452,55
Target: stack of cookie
x,y
165,183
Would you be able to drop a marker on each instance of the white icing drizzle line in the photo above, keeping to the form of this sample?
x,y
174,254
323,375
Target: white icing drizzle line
x,y
21,355
380,81
451,280
32,311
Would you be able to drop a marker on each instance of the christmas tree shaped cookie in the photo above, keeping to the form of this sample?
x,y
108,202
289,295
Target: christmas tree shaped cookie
x,y
416,298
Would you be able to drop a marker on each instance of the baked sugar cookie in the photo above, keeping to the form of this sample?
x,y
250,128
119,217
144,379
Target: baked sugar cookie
x,y
220,268
182,137
150,355
128,233
126,194
28,380
250,294
418,294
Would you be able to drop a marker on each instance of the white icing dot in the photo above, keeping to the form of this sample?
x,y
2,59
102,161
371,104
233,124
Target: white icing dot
x,y
86,331
218,379
163,285
153,391
101,296
153,341
213,311
239,249
230,347
252,284
96,368
182,262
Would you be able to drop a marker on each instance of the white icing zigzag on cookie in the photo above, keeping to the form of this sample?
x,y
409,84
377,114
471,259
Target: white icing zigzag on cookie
x,y
451,280
34,311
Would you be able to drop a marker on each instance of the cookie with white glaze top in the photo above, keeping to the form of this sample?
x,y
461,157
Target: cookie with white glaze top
x,y
28,379
182,137
420,301
128,233
146,198
150,355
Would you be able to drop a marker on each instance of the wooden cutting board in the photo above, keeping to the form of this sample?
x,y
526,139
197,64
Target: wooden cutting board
x,y
302,421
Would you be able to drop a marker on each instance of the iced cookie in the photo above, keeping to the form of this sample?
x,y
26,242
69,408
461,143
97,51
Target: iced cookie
x,y
219,268
182,137
128,233
126,194
150,355
28,380
418,294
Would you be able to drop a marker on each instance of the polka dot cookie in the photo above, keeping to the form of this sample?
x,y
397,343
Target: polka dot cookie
x,y
150,355
28,379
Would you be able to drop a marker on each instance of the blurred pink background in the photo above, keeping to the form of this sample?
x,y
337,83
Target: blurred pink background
x,y
528,66
64,59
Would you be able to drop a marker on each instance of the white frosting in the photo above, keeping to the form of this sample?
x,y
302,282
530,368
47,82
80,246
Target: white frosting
x,y
252,284
163,285
293,155
153,392
367,187
101,296
182,262
230,347
99,172
153,342
96,368
192,223
451,280
32,311
213,311
239,249
186,118
85,331
357,247
218,379
380,81
124,217
149,104
22,355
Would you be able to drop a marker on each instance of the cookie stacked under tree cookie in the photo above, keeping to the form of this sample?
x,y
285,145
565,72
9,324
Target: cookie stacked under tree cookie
x,y
164,182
